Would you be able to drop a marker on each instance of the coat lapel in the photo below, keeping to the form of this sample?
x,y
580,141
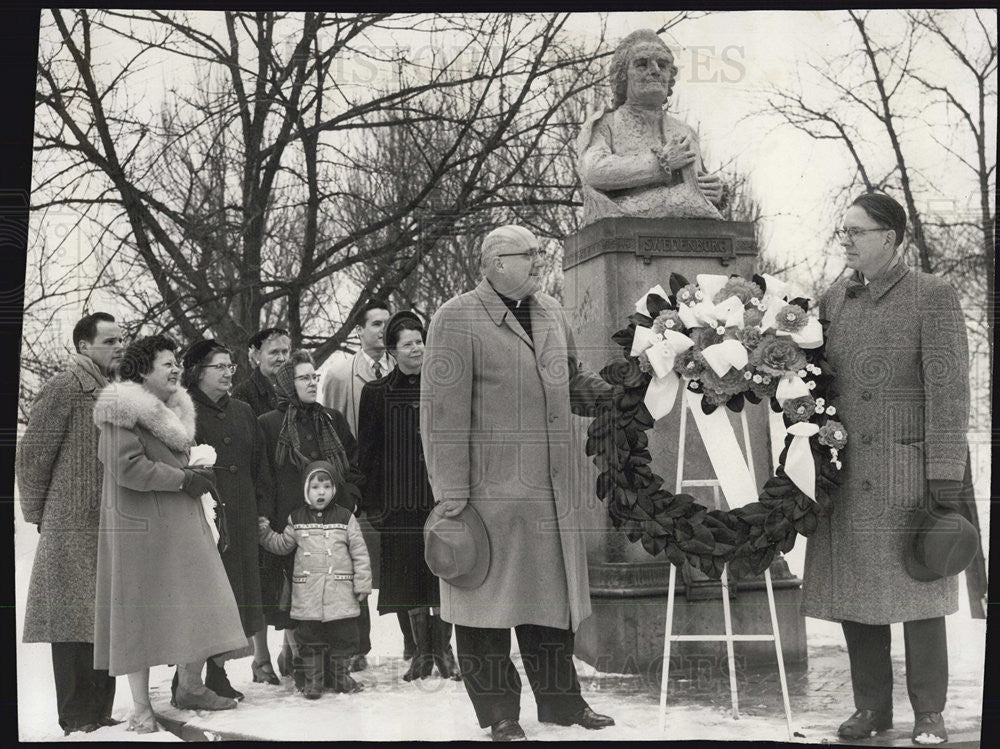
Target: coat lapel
x,y
499,313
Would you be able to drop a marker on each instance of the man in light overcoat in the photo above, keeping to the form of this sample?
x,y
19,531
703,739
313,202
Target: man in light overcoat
x,y
499,376
898,345
59,485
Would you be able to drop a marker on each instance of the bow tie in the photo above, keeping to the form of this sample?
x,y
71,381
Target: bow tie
x,y
853,290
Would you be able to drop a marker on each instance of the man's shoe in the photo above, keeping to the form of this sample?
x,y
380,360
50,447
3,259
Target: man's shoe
x,y
507,730
928,728
865,723
586,718
107,720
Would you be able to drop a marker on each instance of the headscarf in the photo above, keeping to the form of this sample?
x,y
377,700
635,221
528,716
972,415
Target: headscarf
x,y
289,443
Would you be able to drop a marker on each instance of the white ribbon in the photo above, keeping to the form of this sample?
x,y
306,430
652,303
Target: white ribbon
x,y
810,336
728,313
799,464
644,338
776,429
735,477
721,357
776,288
662,390
711,284
641,307
789,387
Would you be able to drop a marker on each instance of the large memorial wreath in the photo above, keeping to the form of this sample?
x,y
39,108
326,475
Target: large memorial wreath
x,y
729,341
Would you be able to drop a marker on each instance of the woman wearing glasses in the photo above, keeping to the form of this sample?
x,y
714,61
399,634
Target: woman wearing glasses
x,y
299,431
898,343
243,479
162,592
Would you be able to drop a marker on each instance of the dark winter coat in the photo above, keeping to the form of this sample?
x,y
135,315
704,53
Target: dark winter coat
x,y
257,392
162,591
899,349
397,496
243,480
331,561
286,496
59,486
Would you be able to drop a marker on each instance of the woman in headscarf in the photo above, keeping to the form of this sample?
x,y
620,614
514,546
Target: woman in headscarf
x,y
299,431
162,591
397,497
243,478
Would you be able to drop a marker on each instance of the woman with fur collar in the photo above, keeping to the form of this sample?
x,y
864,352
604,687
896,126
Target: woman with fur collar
x,y
162,591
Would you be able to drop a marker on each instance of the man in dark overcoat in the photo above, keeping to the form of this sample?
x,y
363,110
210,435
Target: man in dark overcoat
x,y
500,380
59,484
898,345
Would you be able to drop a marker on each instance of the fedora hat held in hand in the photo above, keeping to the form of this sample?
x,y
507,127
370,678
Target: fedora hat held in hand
x,y
457,549
939,543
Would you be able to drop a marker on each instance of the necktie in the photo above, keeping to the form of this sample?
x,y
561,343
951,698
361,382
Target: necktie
x,y
378,370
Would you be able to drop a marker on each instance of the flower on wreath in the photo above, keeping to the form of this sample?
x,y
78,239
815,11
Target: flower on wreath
x,y
718,390
644,364
705,337
668,319
799,409
752,317
750,337
764,385
690,364
689,294
832,434
777,356
740,288
791,318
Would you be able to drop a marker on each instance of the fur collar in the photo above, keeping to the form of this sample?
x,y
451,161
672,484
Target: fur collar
x,y
126,404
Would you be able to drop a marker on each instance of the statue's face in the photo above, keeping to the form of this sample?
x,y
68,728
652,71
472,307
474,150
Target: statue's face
x,y
649,74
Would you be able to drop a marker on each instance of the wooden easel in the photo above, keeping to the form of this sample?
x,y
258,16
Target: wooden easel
x,y
729,638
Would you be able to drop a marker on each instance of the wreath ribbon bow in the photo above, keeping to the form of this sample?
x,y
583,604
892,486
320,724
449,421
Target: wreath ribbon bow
x,y
799,464
722,357
662,351
727,313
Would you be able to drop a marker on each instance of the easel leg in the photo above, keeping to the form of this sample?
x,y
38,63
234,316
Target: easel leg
x,y
778,652
667,635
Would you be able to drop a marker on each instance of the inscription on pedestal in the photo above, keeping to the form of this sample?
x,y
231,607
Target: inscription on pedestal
x,y
649,247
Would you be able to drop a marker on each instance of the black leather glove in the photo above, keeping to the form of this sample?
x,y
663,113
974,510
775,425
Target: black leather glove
x,y
945,492
198,481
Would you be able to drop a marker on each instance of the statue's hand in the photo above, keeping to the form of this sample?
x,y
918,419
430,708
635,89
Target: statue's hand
x,y
711,187
677,155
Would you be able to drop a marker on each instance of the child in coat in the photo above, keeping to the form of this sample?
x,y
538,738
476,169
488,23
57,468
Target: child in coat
x,y
331,579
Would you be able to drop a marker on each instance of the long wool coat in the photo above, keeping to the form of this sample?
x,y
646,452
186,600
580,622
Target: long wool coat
x,y
899,349
495,426
397,496
162,592
59,485
243,480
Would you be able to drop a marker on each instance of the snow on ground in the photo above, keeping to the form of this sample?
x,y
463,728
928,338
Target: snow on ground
x,y
391,709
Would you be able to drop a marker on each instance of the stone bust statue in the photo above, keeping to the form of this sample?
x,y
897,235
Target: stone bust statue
x,y
635,159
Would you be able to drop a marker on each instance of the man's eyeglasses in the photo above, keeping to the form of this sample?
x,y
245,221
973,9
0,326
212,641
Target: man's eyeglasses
x,y
314,377
534,254
853,232
220,367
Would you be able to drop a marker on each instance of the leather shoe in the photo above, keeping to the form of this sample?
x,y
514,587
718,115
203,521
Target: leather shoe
x,y
507,729
586,718
865,723
107,720
928,728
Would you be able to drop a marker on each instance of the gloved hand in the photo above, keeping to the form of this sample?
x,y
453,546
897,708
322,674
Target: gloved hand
x,y
945,492
198,480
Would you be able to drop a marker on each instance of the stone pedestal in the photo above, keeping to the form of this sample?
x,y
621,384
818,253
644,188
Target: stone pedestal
x,y
608,266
